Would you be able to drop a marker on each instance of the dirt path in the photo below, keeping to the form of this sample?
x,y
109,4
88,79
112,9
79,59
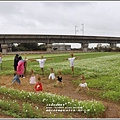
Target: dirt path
x,y
112,111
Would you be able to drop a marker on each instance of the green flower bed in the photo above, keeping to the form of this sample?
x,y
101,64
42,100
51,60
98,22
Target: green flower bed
x,y
89,108
12,108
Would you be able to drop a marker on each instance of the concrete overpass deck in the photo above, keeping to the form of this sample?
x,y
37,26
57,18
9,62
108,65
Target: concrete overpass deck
x,y
6,39
31,38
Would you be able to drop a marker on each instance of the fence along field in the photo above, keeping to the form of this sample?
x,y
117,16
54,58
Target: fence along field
x,y
100,69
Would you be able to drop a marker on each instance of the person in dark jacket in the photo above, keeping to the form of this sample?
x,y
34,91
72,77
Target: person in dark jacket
x,y
16,60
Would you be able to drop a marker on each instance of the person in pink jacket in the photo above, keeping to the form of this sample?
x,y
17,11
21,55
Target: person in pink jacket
x,y
21,67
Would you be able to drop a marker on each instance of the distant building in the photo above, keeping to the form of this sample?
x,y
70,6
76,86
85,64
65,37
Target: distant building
x,y
61,47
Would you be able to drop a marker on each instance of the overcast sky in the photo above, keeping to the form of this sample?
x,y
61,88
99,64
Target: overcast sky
x,y
98,18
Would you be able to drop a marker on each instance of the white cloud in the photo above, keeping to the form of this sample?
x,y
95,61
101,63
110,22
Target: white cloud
x,y
99,18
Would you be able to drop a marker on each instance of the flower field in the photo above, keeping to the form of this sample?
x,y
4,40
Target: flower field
x,y
101,71
89,108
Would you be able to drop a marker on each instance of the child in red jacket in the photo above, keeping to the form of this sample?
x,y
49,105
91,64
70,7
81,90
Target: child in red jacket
x,y
38,86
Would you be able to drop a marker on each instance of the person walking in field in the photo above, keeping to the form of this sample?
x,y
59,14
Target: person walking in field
x,y
82,85
16,60
71,62
21,67
1,60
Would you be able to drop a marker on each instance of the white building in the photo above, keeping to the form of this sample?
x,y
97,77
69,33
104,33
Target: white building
x,y
61,47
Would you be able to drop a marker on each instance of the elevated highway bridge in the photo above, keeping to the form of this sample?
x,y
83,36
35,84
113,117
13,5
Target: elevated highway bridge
x,y
6,39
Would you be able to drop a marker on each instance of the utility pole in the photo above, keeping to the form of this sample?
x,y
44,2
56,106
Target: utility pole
x,y
76,30
82,28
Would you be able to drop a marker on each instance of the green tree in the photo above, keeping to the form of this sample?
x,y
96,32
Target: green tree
x,y
28,46
42,47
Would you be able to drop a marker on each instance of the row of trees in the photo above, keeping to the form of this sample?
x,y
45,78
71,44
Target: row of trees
x,y
42,47
28,47
107,49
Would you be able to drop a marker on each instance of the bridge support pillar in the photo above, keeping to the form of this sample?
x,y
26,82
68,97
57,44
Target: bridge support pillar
x,y
9,47
49,47
4,48
113,46
84,47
